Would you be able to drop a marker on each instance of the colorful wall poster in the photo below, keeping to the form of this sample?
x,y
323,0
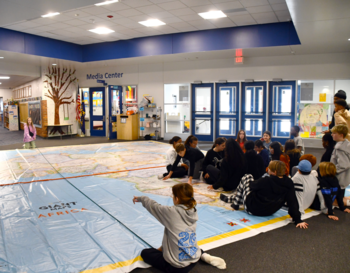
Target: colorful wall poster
x,y
130,93
313,120
86,97
97,103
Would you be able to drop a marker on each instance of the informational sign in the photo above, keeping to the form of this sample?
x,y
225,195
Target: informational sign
x,y
34,112
13,118
323,97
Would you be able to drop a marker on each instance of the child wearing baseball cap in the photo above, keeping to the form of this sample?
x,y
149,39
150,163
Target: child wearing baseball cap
x,y
306,187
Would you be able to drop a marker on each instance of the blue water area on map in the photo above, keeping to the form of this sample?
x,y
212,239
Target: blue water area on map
x,y
115,196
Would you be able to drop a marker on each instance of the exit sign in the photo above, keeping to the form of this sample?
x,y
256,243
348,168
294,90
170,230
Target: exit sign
x,y
239,60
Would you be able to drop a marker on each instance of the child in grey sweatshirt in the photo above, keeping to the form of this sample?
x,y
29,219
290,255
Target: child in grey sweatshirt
x,y
179,251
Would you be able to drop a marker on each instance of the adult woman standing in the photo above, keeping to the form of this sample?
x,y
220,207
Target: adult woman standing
x,y
29,135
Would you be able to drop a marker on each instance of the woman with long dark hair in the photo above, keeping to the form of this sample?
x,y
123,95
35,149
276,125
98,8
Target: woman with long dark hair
x,y
328,143
293,153
213,159
241,139
233,167
277,154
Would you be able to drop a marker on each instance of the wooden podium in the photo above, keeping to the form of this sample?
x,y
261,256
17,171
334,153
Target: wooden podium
x,y
128,127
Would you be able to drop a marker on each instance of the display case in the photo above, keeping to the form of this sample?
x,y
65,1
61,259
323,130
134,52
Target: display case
x,y
150,122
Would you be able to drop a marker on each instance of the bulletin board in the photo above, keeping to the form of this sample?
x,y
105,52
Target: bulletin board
x,y
23,112
34,112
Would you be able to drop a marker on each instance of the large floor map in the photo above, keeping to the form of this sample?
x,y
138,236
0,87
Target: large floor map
x,y
69,209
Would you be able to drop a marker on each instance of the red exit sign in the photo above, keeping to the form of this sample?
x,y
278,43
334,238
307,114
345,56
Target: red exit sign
x,y
239,60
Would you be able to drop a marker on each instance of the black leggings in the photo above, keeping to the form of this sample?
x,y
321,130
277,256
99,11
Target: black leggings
x,y
214,175
178,173
155,258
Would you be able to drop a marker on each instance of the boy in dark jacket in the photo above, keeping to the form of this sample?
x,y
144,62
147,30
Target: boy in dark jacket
x,y
255,163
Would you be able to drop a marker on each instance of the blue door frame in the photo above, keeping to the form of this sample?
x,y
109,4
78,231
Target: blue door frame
x,y
205,117
113,118
232,115
280,121
255,115
97,117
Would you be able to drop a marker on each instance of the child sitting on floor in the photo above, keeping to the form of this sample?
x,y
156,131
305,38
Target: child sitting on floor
x,y
194,156
277,154
309,157
342,115
213,159
263,152
292,153
181,169
265,196
255,163
179,252
306,187
341,158
330,190
192,142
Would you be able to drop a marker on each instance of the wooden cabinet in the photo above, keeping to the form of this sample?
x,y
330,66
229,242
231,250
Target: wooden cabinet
x,y
128,127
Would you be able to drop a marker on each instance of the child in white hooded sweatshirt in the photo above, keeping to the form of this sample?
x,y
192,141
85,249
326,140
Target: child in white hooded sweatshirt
x,y
179,252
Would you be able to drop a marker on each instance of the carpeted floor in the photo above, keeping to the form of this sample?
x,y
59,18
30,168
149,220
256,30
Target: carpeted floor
x,y
324,247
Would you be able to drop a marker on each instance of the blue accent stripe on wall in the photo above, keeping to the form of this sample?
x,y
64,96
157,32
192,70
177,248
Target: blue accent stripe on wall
x,y
277,34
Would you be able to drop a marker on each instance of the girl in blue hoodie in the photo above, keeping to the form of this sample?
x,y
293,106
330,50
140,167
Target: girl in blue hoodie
x,y
179,252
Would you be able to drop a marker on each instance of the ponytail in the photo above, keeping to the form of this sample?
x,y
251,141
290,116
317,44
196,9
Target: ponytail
x,y
174,139
219,141
190,139
184,192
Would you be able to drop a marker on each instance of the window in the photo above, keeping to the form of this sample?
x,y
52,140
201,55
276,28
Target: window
x,y
282,100
227,127
281,128
254,99
253,127
228,100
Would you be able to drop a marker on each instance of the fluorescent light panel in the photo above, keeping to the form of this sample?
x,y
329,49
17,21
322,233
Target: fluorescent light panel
x,y
1,57
50,14
101,30
54,64
4,77
107,2
152,23
212,14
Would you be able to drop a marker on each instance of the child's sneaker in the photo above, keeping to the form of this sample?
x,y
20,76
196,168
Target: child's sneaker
x,y
224,198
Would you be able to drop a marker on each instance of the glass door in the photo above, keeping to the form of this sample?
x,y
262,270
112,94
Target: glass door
x,y
254,109
97,111
227,112
202,111
281,109
115,108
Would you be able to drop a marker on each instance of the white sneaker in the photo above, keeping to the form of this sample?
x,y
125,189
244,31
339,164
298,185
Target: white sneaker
x,y
160,176
214,261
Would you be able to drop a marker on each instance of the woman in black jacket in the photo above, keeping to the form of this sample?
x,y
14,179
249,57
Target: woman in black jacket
x,y
255,163
213,160
233,167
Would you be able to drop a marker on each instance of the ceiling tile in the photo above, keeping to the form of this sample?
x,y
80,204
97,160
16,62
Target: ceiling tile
x,y
171,20
186,29
77,11
160,15
253,3
166,29
202,24
172,5
24,25
205,8
235,13
243,20
185,11
75,22
222,22
222,1
43,21
137,3
149,30
63,33
127,23
283,13
188,18
117,28
116,7
43,28
260,9
277,7
277,1
140,18
61,18
160,1
87,26
179,25
264,18
92,19
76,30
284,18
129,12
229,5
114,14
59,25
130,32
95,10
194,3
34,30
150,9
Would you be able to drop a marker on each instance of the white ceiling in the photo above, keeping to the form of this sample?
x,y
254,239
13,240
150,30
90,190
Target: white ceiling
x,y
179,16
15,81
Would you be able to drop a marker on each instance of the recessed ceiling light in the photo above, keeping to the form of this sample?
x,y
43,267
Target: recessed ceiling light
x,y
0,82
1,57
54,64
212,14
4,77
50,14
152,23
106,2
348,39
102,30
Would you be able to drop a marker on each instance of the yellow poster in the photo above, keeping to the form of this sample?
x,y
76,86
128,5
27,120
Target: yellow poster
x,y
323,97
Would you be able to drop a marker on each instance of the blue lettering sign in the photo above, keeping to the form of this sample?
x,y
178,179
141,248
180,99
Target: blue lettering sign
x,y
106,76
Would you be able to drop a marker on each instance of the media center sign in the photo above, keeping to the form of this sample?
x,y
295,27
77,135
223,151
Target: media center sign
x,y
100,76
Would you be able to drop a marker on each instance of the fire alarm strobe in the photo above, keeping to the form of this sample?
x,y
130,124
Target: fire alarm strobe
x,y
110,16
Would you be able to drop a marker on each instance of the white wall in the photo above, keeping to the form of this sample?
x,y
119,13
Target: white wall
x,y
151,78
5,94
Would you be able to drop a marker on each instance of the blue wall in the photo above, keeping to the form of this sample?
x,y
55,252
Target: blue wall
x,y
278,34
